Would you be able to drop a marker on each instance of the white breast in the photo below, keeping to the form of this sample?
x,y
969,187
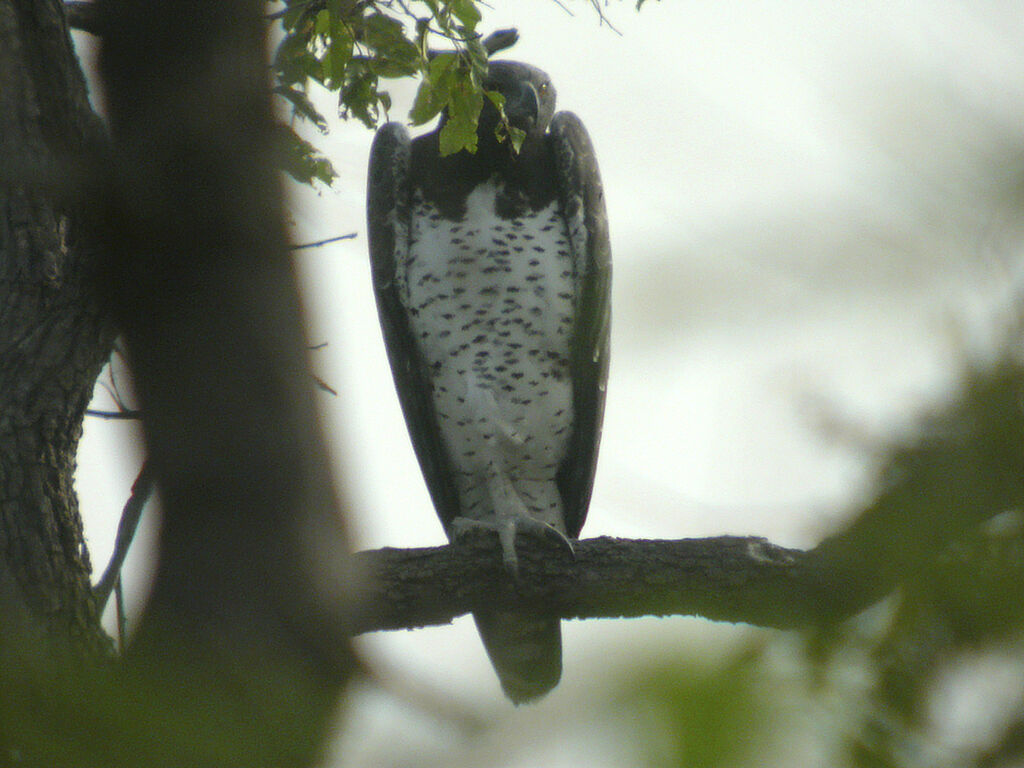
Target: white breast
x,y
491,305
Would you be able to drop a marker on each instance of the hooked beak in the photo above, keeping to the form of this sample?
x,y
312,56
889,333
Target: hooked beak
x,y
522,107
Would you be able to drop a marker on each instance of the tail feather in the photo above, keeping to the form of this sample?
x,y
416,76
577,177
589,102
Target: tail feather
x,y
526,652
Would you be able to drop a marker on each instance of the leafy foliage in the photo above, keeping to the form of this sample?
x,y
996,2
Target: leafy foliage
x,y
349,47
302,161
693,713
947,532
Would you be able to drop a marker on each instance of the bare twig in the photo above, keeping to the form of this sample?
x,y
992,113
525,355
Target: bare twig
x,y
113,388
564,7
318,243
325,386
130,515
602,18
116,415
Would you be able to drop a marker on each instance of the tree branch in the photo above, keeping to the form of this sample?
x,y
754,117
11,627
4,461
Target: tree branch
x,y
936,490
130,516
726,578
325,241
130,415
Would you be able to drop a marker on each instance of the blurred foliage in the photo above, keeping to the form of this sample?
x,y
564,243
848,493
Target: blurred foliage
x,y
688,712
947,530
350,46
942,543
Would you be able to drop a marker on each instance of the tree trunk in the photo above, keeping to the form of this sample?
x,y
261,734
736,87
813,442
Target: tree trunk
x,y
243,649
244,645
53,337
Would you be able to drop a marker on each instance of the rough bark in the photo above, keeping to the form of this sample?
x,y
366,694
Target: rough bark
x,y
53,337
729,578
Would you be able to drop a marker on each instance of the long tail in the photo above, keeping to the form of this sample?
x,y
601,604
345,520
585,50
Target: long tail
x,y
526,653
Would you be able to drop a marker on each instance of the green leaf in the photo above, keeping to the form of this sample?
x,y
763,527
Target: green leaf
x,y
455,137
292,16
291,59
422,39
360,98
504,131
497,98
478,59
339,53
323,22
302,106
443,66
424,106
464,105
435,90
466,12
302,161
402,60
395,55
517,136
382,33
691,713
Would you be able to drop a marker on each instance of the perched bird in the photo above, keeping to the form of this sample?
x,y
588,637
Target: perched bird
x,y
492,276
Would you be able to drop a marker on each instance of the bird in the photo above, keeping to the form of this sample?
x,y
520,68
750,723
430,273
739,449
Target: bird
x,y
492,276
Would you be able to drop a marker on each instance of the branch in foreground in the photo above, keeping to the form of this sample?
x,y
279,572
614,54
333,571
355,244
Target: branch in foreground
x,y
938,486
726,578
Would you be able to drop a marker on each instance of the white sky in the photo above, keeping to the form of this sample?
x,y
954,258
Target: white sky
x,y
810,224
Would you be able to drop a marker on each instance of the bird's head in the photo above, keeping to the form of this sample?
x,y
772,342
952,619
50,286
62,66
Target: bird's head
x,y
529,97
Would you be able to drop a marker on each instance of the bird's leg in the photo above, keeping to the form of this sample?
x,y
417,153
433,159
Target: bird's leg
x,y
511,515
513,518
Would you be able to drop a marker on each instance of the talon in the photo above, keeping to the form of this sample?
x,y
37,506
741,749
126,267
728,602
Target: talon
x,y
558,537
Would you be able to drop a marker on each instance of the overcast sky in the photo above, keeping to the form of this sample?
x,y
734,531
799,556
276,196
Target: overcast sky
x,y
813,218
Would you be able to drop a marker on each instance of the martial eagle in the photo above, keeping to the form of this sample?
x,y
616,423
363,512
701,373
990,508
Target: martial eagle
x,y
492,275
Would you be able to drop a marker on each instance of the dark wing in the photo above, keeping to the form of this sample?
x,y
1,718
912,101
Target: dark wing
x,y
388,213
582,200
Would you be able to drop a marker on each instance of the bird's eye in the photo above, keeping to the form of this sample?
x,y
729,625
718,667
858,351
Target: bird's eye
x,y
543,88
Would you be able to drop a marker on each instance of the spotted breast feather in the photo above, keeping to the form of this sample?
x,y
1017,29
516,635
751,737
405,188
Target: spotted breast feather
x,y
490,303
